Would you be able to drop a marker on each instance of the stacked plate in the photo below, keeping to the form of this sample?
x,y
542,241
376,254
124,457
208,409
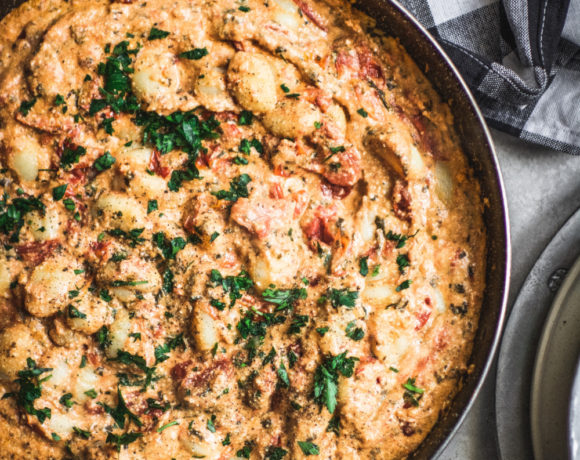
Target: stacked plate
x,y
538,378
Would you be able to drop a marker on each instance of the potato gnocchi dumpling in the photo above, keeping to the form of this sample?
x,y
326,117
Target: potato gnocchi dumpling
x,y
231,230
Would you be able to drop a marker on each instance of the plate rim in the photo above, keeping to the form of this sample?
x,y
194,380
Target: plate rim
x,y
554,313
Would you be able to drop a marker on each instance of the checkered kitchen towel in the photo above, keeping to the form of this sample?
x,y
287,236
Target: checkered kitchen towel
x,y
521,59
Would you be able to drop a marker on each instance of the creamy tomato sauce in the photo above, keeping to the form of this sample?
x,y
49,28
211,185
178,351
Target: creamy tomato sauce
x,y
228,230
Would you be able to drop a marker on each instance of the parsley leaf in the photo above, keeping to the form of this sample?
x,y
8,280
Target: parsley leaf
x,y
364,266
245,118
139,362
26,106
167,425
283,376
404,285
122,440
11,215
412,393
30,390
121,411
246,146
58,192
284,298
156,34
195,54
170,345
152,205
104,162
211,423
298,322
403,262
133,236
342,297
353,333
308,448
71,155
66,400
326,378
73,312
275,453
238,189
169,248
232,284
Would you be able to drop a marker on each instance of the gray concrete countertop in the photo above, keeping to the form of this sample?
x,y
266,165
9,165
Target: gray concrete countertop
x,y
543,190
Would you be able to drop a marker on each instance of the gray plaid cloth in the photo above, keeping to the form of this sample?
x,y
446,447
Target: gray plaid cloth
x,y
520,58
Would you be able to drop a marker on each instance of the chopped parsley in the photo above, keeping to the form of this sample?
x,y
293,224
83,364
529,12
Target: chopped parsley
x,y
232,284
169,248
66,400
82,433
254,324
269,357
326,378
167,425
217,304
211,423
245,451
156,34
401,240
195,54
132,236
73,312
364,266
342,297
137,361
245,118
246,146
284,298
244,9
404,285
122,440
322,330
152,205
102,336
309,448
104,162
30,390
298,322
238,189
180,130
283,376
412,393
354,333
240,160
91,393
403,262
71,155
170,345
26,106
121,412
285,88
58,192
11,215
362,112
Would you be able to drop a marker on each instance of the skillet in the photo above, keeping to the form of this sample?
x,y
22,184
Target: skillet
x,y
478,147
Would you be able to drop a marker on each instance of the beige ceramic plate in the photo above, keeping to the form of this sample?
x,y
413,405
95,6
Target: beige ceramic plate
x,y
554,371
